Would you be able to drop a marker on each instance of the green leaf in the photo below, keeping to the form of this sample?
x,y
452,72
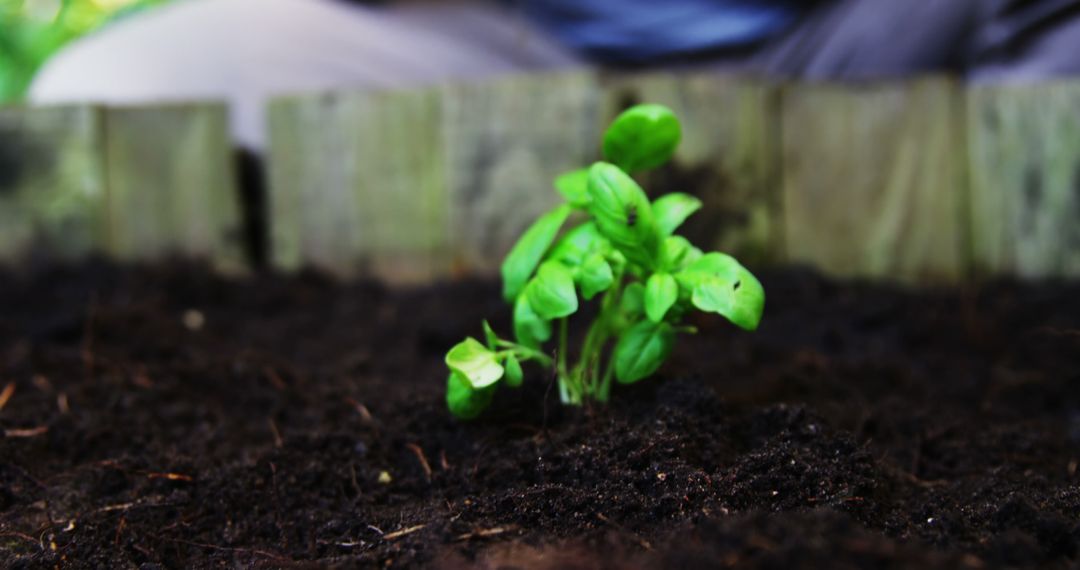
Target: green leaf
x,y
475,362
623,214
464,401
490,336
642,349
529,328
721,285
661,292
678,252
595,276
514,374
529,250
642,137
632,303
551,293
671,210
579,242
574,187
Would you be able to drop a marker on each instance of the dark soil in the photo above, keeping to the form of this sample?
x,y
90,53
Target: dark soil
x,y
861,426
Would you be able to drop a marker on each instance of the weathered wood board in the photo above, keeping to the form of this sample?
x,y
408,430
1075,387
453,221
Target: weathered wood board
x,y
874,179
52,188
171,188
1024,144
411,186
505,142
728,156
357,185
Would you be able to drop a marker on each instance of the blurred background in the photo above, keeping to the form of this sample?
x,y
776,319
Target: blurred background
x,y
920,140
33,30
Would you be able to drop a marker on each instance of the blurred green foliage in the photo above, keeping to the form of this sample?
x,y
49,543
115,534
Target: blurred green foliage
x,y
33,30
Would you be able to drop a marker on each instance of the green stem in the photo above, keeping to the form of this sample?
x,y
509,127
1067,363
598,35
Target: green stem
x,y
605,385
569,389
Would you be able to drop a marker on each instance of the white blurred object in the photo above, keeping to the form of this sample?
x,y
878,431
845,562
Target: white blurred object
x,y
246,51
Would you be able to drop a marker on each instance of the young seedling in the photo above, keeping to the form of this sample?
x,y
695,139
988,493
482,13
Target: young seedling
x,y
624,254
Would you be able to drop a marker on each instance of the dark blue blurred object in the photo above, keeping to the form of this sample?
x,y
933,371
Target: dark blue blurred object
x,y
643,31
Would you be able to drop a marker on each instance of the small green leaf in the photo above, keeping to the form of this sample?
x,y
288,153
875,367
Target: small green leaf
x,y
595,276
464,401
642,137
475,362
661,292
721,285
579,242
623,214
514,375
678,252
529,328
551,293
574,187
490,336
632,303
671,210
529,250
642,349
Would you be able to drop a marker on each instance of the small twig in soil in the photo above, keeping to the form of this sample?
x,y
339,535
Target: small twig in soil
x,y
442,460
171,477
278,442
127,506
419,452
274,378
23,536
644,543
119,530
120,507
485,533
41,382
365,414
142,378
277,557
26,432
403,532
6,395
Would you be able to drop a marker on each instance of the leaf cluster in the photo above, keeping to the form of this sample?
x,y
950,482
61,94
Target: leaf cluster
x,y
620,251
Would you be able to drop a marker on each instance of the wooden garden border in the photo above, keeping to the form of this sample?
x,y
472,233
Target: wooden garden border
x,y
131,183
918,181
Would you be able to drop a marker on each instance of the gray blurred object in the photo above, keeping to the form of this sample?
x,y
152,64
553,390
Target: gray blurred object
x,y
245,51
982,40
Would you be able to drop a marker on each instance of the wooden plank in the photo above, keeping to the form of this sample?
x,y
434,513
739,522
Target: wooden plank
x,y
402,188
728,156
357,185
1024,145
171,185
416,185
307,168
874,179
505,141
51,182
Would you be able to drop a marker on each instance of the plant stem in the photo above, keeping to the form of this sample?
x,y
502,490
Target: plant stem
x,y
604,392
569,389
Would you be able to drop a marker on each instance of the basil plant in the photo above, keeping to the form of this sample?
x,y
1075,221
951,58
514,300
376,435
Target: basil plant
x,y
607,244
